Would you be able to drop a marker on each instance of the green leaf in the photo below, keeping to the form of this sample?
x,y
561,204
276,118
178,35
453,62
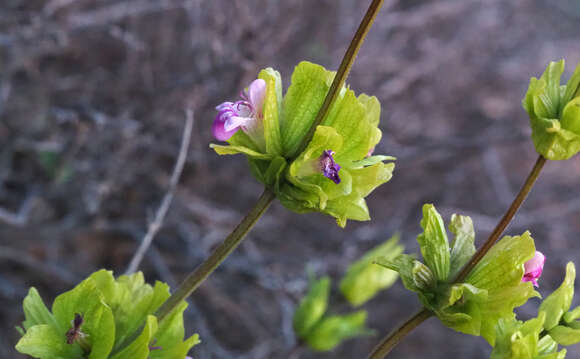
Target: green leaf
x,y
333,330
547,346
461,308
45,341
364,181
98,322
433,242
463,246
35,311
564,335
233,150
364,279
349,117
573,86
500,272
139,348
558,303
571,117
136,301
572,315
271,110
308,88
369,161
312,307
517,340
403,264
170,335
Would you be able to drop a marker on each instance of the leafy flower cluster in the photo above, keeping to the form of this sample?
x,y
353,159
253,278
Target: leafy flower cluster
x,y
540,337
554,111
99,315
489,293
336,171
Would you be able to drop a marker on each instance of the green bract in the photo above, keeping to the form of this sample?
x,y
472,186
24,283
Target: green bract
x,y
364,279
554,111
112,310
490,292
324,332
521,340
561,323
350,129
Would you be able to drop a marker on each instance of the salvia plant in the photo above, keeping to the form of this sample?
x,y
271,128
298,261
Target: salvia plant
x,y
313,149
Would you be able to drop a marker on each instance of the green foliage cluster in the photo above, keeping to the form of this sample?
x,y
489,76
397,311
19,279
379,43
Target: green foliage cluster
x,y
112,310
489,293
554,111
538,338
350,130
362,281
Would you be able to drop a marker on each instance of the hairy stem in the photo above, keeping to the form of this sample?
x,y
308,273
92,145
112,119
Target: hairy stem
x,y
391,340
343,70
195,278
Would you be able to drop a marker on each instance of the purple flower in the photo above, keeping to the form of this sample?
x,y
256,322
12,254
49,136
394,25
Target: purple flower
x,y
533,268
328,167
245,113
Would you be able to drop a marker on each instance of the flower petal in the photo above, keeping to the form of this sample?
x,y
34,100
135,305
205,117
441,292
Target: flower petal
x,y
218,129
256,93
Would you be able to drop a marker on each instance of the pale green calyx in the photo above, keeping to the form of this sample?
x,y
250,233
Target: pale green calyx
x,y
554,111
337,170
110,311
490,292
324,332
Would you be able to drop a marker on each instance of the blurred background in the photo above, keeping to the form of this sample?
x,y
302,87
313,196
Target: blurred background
x,y
92,99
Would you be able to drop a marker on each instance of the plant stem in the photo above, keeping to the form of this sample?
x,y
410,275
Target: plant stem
x,y
505,220
195,278
390,341
343,70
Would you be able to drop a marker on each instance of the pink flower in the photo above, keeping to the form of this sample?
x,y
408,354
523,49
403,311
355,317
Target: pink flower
x,y
245,114
533,268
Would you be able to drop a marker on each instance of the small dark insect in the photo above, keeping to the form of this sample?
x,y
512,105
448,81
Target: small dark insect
x,y
75,333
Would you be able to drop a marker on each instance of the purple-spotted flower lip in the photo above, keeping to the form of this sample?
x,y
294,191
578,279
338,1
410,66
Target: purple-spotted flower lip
x,y
533,268
240,114
328,167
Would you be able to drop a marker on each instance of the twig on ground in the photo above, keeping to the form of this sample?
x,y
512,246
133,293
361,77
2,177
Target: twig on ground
x,y
19,219
166,202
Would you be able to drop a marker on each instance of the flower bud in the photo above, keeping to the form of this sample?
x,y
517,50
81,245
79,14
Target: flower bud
x,y
533,268
554,112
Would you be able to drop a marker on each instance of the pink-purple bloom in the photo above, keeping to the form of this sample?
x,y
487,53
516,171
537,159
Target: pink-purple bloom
x,y
328,167
245,113
533,268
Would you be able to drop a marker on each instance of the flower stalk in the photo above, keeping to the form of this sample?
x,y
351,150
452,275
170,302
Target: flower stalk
x,y
343,69
195,278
